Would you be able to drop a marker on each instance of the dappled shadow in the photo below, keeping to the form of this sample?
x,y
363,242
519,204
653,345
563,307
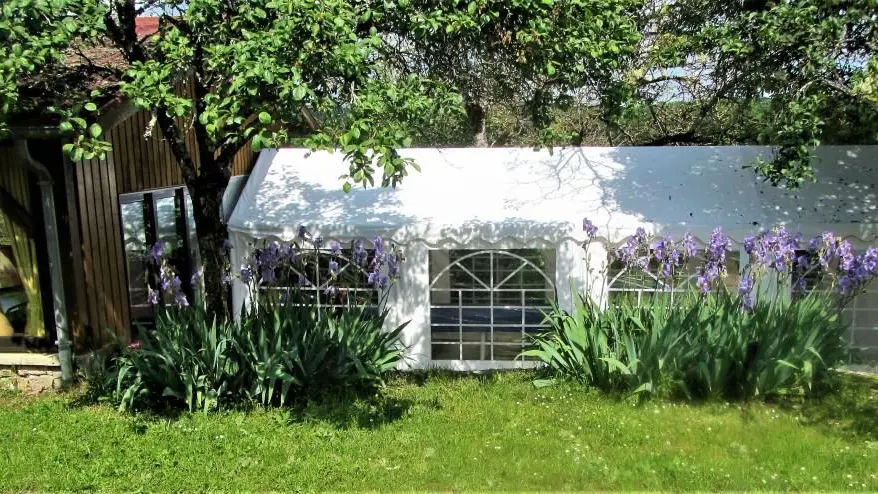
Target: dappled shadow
x,y
848,404
299,188
699,188
358,413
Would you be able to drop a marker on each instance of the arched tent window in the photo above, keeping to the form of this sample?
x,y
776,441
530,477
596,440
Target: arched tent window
x,y
860,312
310,277
483,303
638,286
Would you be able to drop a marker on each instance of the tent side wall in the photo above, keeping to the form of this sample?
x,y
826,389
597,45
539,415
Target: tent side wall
x,y
462,201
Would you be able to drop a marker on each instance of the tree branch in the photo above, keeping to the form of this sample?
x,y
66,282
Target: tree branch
x,y
227,154
177,144
687,137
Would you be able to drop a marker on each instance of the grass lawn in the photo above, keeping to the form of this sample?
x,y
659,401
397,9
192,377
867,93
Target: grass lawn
x,y
450,433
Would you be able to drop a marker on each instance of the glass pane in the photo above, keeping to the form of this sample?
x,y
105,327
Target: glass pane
x,y
166,220
445,352
194,254
487,300
136,254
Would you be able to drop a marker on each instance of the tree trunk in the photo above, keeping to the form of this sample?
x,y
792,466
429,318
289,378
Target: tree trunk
x,y
475,114
207,199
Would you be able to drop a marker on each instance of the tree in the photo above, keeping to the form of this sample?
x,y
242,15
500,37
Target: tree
x,y
362,76
263,72
784,73
522,57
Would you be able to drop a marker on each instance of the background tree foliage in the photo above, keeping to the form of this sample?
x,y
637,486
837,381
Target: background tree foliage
x,y
791,71
521,57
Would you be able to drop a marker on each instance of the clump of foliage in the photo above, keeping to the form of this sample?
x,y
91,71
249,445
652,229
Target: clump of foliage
x,y
704,341
706,348
289,343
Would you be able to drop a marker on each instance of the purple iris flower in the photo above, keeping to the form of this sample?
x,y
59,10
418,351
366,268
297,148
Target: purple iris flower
x,y
157,251
745,291
689,245
373,278
589,228
246,274
268,275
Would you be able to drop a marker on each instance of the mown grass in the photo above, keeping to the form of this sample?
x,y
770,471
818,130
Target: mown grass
x,y
441,432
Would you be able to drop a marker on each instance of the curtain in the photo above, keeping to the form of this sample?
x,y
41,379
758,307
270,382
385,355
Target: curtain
x,y
13,178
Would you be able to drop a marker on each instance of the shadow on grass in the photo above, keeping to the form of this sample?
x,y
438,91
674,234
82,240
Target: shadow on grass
x,y
423,377
848,404
352,412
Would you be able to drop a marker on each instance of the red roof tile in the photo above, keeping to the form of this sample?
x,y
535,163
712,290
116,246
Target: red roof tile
x,y
146,26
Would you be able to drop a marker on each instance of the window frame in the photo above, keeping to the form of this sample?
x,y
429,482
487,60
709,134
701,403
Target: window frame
x,y
488,343
186,266
375,296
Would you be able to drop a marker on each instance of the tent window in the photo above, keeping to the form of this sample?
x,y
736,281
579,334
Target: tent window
x,y
164,215
638,286
860,313
310,276
483,303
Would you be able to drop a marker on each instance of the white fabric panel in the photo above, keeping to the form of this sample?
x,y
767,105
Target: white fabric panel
x,y
520,198
537,196
240,292
410,301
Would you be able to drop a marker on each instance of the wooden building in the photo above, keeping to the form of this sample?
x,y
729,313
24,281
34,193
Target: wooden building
x,y
108,212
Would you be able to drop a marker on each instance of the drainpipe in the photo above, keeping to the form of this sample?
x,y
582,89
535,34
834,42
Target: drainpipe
x,y
47,199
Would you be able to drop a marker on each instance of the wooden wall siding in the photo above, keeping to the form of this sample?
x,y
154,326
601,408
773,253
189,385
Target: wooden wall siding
x,y
244,161
104,276
145,161
138,162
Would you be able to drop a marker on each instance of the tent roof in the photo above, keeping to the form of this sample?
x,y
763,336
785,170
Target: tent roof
x,y
519,193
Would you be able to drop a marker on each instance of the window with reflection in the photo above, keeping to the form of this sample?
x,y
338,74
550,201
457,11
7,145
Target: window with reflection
x,y
159,215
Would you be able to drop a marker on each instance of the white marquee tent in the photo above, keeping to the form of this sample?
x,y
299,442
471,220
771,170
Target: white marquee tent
x,y
474,217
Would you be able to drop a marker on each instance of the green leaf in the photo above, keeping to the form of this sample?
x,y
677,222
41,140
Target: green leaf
x,y
299,93
91,107
264,118
95,130
66,127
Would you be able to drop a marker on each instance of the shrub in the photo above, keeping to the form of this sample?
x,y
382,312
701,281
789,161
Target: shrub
x,y
301,350
713,348
287,345
707,341
186,360
278,353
